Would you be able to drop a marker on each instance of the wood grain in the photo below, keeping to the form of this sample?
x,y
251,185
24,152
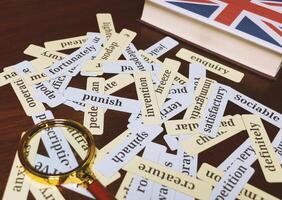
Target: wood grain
x,y
34,22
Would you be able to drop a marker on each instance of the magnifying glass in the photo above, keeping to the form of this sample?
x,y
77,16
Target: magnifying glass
x,y
61,151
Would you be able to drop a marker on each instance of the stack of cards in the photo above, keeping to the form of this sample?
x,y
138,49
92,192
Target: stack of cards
x,y
162,93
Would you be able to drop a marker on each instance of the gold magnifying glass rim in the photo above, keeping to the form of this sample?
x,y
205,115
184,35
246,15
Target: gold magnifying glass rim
x,y
62,177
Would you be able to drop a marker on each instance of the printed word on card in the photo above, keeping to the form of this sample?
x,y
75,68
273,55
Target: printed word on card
x,y
67,43
146,94
162,191
214,110
125,151
183,126
179,78
7,76
268,161
213,175
106,25
119,67
161,47
102,100
199,142
122,192
255,107
176,90
84,53
196,72
117,82
41,52
43,91
94,116
233,181
187,165
211,65
169,177
18,183
42,191
166,77
200,99
111,50
112,85
142,188
26,97
132,54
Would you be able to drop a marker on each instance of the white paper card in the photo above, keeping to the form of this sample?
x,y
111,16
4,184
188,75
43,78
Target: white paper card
x,y
140,187
124,152
162,47
233,181
255,107
214,110
187,165
119,67
196,71
162,191
277,145
84,53
171,141
102,100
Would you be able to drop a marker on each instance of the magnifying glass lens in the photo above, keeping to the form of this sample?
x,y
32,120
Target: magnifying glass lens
x,y
57,150
61,151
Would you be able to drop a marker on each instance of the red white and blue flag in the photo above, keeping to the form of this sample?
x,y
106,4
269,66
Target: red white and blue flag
x,y
257,20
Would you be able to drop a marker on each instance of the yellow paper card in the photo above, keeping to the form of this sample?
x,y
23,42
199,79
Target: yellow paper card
x,y
124,186
39,64
38,76
93,115
145,90
184,126
35,77
117,82
7,76
112,144
67,43
25,95
179,79
112,50
44,192
41,52
268,161
211,65
78,142
18,183
169,177
199,142
181,126
200,99
106,24
213,175
166,76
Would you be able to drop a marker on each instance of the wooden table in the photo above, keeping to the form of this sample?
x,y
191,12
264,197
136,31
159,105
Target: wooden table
x,y
33,22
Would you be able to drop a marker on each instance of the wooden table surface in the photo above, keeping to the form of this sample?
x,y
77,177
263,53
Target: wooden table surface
x,y
34,22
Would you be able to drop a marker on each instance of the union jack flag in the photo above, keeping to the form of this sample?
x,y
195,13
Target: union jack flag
x,y
257,20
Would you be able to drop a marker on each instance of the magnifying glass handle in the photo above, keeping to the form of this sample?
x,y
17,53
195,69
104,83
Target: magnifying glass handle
x,y
99,191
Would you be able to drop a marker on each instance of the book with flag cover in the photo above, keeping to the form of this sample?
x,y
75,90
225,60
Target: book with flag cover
x,y
247,32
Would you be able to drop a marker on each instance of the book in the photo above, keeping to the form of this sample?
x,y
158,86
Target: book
x,y
248,33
